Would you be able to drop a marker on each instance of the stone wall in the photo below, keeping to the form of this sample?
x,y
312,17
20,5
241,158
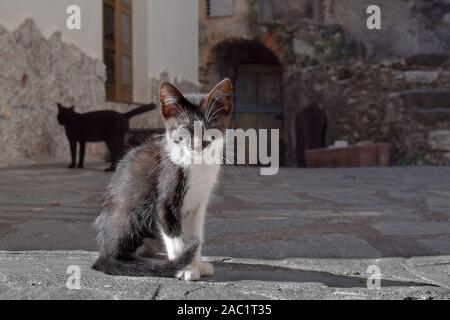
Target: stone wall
x,y
398,101
422,25
303,33
35,74
390,85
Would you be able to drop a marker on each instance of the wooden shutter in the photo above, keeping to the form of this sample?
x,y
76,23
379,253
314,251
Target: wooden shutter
x,y
118,49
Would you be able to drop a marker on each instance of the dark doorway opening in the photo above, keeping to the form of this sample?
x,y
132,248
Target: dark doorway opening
x,y
311,131
258,78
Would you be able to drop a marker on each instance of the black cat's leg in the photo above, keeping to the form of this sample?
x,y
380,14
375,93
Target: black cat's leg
x,y
120,147
82,153
73,152
117,150
112,150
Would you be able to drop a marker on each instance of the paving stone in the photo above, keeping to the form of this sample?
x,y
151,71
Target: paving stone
x,y
439,140
414,228
318,243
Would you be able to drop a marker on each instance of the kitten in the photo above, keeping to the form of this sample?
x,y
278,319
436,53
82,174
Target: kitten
x,y
107,126
158,194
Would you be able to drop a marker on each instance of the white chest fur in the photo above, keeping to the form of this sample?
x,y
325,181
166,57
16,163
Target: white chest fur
x,y
202,179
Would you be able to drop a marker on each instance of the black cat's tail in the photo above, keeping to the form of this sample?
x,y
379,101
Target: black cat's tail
x,y
140,110
146,267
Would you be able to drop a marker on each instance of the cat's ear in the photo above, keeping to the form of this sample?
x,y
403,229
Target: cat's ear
x,y
220,100
170,98
60,107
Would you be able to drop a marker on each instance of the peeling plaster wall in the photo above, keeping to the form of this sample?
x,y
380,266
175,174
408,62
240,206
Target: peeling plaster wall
x,y
37,73
42,68
408,26
50,16
165,34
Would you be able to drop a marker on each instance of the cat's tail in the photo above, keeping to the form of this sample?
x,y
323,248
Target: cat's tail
x,y
140,110
146,267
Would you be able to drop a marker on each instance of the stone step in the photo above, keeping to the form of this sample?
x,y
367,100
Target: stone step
x,y
427,60
439,140
427,99
433,115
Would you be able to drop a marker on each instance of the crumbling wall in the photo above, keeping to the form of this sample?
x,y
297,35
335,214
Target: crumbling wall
x,y
35,74
409,27
398,101
388,85
290,32
305,33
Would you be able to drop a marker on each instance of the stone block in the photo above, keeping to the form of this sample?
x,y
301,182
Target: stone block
x,y
439,140
303,48
421,76
5,110
427,60
426,98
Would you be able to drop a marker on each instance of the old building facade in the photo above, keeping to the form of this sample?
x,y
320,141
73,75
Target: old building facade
x,y
315,71
310,68
117,59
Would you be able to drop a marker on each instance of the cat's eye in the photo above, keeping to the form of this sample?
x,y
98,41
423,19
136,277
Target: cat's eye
x,y
180,139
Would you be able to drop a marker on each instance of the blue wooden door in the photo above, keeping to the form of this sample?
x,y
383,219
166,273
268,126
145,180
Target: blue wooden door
x,y
259,99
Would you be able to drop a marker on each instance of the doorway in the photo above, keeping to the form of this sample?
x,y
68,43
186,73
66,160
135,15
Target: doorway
x,y
259,100
257,75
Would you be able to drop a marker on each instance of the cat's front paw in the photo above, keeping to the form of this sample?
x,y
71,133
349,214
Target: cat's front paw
x,y
189,273
81,166
206,269
71,166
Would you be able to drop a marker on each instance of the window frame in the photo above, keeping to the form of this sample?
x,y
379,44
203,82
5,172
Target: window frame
x,y
118,92
208,11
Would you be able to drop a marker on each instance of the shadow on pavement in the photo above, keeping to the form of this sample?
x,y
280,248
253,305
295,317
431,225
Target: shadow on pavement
x,y
226,272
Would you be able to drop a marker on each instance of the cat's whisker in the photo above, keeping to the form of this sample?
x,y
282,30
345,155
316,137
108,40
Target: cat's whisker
x,y
207,111
183,112
215,115
162,162
212,107
158,136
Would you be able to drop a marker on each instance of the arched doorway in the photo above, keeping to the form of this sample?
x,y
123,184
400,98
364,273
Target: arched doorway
x,y
258,78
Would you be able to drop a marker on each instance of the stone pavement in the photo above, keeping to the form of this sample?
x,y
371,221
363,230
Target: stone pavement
x,y
303,234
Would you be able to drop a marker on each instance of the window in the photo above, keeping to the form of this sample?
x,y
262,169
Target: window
x,y
219,8
118,49
272,10
265,11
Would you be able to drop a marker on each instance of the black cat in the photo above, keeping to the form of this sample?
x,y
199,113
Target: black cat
x,y
107,126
